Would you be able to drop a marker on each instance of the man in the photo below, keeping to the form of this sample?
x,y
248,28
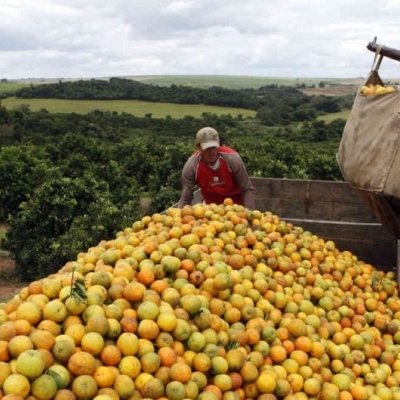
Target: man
x,y
219,171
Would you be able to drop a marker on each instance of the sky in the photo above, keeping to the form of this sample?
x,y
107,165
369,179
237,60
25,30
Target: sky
x,y
264,38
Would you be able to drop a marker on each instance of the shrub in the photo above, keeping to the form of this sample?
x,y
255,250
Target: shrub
x,y
63,217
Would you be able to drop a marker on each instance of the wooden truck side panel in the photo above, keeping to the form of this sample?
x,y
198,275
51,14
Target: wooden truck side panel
x,y
333,211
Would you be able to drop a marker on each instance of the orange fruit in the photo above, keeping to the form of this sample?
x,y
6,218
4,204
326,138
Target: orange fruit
x,y
266,382
7,331
134,291
277,353
148,310
84,387
104,376
180,371
124,386
146,277
63,349
110,355
18,344
128,343
150,362
22,327
50,326
168,356
44,387
98,323
17,384
60,374
30,312
92,342
55,310
30,363
175,390
148,329
42,339
64,394
129,365
81,363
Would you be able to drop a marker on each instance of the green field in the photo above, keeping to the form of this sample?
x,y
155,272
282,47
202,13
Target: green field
x,y
134,107
339,115
226,81
11,86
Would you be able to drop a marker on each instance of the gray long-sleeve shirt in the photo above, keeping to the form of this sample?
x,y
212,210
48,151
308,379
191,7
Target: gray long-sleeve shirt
x,y
195,172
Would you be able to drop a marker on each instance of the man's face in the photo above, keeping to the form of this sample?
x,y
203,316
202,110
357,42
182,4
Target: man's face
x,y
210,155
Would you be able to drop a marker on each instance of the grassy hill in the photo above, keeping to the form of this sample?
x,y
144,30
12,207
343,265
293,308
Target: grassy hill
x,y
134,107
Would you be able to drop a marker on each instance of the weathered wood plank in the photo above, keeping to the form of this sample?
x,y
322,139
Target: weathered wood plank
x,y
305,189
351,231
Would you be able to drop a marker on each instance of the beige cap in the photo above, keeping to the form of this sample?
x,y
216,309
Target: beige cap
x,y
207,137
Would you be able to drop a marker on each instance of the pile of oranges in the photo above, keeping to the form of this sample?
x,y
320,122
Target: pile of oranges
x,y
208,302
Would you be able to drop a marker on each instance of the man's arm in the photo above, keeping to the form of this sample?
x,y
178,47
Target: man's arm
x,y
239,171
188,184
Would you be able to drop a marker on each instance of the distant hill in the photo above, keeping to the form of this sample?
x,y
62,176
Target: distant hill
x,y
342,86
309,86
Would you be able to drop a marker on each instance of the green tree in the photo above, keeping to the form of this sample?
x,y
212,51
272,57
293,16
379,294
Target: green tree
x,y
63,217
21,170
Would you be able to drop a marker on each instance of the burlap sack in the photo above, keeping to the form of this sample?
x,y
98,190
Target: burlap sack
x,y
369,152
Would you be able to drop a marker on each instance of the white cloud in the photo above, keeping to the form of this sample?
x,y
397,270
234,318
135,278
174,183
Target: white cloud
x,y
98,38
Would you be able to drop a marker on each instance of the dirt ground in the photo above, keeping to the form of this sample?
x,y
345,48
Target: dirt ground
x,y
9,284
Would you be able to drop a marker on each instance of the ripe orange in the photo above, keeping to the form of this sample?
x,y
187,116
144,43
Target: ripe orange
x,y
180,371
64,394
124,386
22,327
129,365
201,362
16,384
92,342
146,277
104,376
168,356
128,323
277,353
148,329
235,359
30,312
81,363
76,331
30,363
110,355
42,339
134,291
18,344
153,389
7,331
55,310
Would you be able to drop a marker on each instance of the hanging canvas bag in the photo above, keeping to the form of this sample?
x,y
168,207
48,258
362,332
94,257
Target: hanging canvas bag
x,y
369,151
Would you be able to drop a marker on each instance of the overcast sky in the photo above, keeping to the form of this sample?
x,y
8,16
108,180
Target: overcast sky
x,y
268,38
